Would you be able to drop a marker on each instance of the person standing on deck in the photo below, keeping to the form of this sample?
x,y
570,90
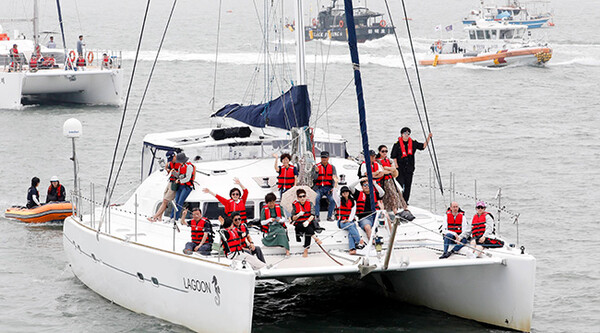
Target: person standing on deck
x,y
80,45
187,174
325,177
171,189
51,44
403,155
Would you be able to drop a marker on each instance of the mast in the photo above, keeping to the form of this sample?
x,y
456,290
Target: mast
x,y
62,30
300,61
349,9
36,23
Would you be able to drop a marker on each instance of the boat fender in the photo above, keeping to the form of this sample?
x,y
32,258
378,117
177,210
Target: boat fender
x,y
382,23
90,56
72,56
341,23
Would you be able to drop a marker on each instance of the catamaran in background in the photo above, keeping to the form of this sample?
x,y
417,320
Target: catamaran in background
x,y
139,265
533,14
94,79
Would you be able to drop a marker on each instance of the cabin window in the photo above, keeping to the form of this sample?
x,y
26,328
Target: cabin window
x,y
472,34
487,34
506,34
212,210
494,34
479,34
334,149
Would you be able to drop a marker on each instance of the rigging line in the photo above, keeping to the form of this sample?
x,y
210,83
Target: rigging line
x,y
137,115
335,100
216,59
325,66
410,85
112,166
78,16
412,48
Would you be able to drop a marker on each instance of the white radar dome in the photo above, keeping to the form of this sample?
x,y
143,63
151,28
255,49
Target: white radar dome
x,y
72,128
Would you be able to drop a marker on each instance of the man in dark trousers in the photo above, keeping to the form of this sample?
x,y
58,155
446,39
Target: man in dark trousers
x,y
403,155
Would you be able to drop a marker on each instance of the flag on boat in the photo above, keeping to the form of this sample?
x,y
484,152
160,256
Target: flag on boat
x,y
449,27
438,27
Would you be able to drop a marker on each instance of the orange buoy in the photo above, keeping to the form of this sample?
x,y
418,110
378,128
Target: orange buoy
x,y
90,56
341,23
382,23
72,56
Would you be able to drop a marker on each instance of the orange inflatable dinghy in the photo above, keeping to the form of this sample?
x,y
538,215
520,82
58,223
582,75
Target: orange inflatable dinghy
x,y
53,211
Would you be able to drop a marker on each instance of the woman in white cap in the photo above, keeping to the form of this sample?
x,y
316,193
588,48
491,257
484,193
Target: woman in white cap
x,y
56,192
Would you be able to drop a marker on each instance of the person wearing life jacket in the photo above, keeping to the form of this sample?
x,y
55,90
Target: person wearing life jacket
x,y
80,62
404,159
456,230
236,202
33,62
171,189
482,229
247,243
185,180
287,173
33,196
15,59
392,199
106,61
364,211
273,224
303,214
345,214
376,169
56,192
325,177
231,243
202,233
48,62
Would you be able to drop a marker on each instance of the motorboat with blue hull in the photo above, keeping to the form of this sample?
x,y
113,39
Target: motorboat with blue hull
x,y
513,12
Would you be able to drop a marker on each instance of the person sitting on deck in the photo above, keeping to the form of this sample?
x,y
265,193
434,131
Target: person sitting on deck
x,y
247,243
15,59
48,62
287,173
345,214
231,242
170,190
202,233
33,196
236,202
106,61
80,62
303,213
273,224
482,229
456,230
364,211
56,192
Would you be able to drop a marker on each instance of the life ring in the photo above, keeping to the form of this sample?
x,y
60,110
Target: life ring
x,y
72,56
341,23
382,23
438,45
90,57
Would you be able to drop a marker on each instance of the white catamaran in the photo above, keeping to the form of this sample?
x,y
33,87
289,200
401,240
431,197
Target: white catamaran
x,y
140,265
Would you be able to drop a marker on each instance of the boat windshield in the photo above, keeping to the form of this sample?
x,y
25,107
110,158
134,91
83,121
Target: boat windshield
x,y
472,34
506,34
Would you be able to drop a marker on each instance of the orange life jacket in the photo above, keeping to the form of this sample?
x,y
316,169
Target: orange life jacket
x,y
285,180
478,225
385,162
344,210
33,62
234,242
183,170
198,230
173,166
265,228
361,201
410,147
455,223
325,177
374,168
80,62
305,208
239,207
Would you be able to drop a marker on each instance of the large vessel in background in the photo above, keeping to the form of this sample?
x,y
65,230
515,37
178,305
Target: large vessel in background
x,y
66,79
330,23
533,14
491,44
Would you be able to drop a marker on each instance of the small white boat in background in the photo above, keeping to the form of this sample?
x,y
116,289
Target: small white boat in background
x,y
514,12
90,80
490,44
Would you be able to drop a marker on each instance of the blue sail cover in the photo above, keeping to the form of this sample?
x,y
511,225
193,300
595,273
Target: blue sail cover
x,y
291,109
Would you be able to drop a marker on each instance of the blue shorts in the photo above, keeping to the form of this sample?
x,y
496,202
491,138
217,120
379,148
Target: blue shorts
x,y
370,220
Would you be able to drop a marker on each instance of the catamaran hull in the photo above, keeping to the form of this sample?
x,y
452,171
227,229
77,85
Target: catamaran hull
x,y
500,295
93,86
518,57
161,283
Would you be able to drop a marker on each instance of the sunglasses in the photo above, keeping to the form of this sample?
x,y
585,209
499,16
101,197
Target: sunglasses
x,y
237,219
480,207
302,196
384,151
235,193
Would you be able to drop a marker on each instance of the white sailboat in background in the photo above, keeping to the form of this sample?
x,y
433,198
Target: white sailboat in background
x,y
96,79
139,265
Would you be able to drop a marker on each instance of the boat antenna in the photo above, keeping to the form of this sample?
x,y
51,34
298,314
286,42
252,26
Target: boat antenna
x,y
349,9
430,148
212,100
62,29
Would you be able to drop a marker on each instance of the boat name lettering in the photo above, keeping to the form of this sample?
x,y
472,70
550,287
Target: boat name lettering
x,y
204,287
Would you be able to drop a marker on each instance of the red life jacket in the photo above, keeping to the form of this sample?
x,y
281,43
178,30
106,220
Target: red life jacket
x,y
343,211
285,180
198,230
173,166
454,223
361,201
265,228
374,168
239,207
385,162
234,242
49,62
183,170
243,231
14,52
58,189
325,177
105,60
410,147
33,62
80,62
305,208
478,225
